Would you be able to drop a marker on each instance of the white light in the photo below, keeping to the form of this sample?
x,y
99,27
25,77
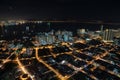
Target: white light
x,y
63,62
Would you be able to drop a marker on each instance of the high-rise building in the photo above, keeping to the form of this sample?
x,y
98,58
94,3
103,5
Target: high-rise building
x,y
41,37
108,35
101,30
27,28
50,39
81,31
65,37
117,33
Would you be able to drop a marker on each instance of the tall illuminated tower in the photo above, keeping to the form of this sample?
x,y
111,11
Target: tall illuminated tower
x,y
108,35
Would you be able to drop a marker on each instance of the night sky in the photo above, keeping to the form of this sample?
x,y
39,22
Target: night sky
x,y
60,9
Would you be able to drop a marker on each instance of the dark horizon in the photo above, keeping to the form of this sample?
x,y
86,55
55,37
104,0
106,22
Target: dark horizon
x,y
60,9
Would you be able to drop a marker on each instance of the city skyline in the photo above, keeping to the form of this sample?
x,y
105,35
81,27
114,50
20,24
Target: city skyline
x,y
59,55
59,40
